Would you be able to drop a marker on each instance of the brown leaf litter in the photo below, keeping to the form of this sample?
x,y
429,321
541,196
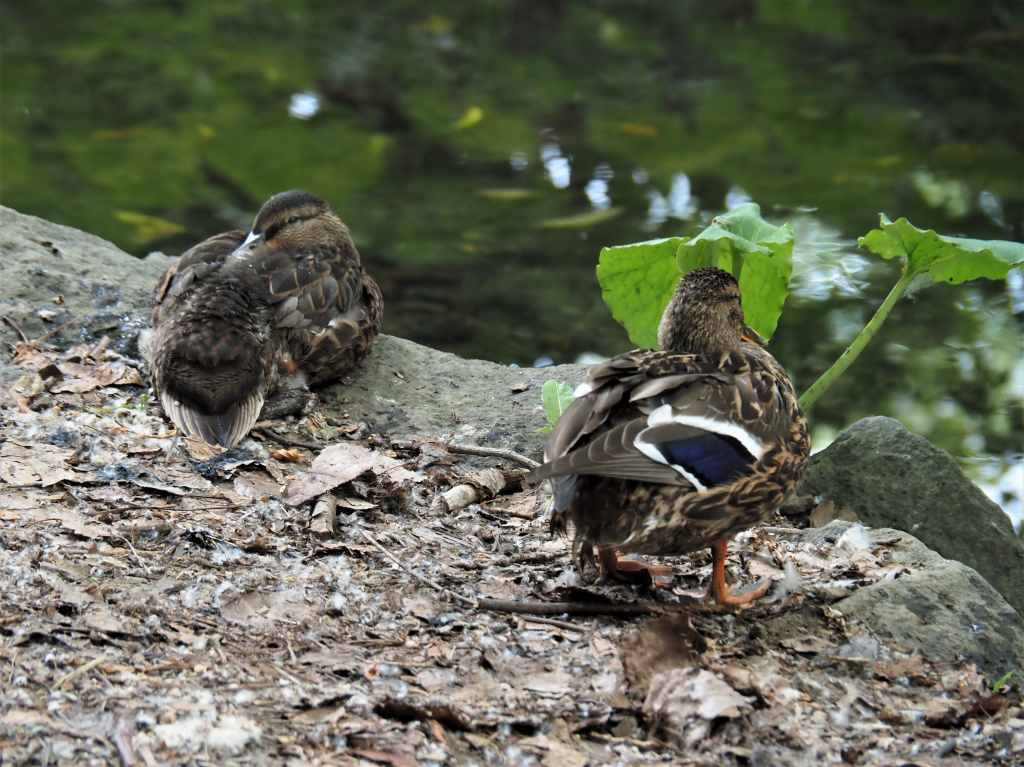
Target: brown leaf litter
x,y
313,605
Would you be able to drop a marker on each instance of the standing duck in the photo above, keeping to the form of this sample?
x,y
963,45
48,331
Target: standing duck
x,y
240,317
665,452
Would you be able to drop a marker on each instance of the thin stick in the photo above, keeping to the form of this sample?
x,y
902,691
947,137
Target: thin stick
x,y
135,553
16,328
122,737
526,607
422,579
491,452
554,622
571,608
85,668
50,333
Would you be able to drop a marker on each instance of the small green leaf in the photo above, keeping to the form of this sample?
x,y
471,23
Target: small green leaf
x,y
758,254
637,282
556,396
941,258
1002,684
507,194
148,228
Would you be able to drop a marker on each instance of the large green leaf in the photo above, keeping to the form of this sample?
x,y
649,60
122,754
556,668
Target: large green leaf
x,y
758,254
637,282
941,258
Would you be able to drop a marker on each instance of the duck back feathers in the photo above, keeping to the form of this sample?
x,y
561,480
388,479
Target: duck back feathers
x,y
235,316
666,452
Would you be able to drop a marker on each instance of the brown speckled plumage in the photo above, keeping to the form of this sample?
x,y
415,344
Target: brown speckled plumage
x,y
237,319
713,388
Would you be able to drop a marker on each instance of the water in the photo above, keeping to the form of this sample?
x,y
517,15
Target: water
x,y
483,153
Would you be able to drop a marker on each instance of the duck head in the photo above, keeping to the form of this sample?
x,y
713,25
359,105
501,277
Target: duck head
x,y
293,219
704,315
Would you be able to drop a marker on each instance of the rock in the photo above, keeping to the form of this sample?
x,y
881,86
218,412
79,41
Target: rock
x,y
402,389
891,477
64,275
405,388
937,607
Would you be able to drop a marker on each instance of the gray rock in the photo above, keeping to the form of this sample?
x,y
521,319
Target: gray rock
x,y
405,388
54,274
402,389
940,607
892,477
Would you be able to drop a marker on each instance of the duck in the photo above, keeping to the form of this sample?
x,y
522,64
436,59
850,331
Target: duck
x,y
245,323
670,450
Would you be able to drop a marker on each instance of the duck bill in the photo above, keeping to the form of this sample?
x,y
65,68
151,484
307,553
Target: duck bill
x,y
251,241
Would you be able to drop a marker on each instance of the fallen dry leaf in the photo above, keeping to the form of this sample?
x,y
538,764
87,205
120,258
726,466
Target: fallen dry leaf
x,y
79,378
323,520
682,703
338,464
256,485
261,609
555,753
40,465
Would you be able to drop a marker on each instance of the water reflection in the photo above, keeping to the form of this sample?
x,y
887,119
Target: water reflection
x,y
825,263
556,164
736,196
304,105
597,188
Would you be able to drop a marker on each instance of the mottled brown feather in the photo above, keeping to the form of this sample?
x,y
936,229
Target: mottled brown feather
x,y
614,495
230,323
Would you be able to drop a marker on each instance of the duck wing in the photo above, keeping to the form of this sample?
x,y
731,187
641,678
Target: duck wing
x,y
323,296
193,267
676,420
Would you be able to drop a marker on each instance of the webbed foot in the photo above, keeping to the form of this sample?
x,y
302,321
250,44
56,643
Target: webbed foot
x,y
720,592
629,570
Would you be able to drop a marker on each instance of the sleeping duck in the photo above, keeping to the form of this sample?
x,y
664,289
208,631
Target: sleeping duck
x,y
244,322
667,451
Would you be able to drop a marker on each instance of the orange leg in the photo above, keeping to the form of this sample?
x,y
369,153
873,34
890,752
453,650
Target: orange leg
x,y
628,570
719,588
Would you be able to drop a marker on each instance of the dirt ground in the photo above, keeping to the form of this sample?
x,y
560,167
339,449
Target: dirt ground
x,y
257,607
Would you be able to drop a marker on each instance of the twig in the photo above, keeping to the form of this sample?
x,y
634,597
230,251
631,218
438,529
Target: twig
x,y
554,622
85,668
135,553
16,328
422,579
529,607
122,738
492,452
571,608
50,333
